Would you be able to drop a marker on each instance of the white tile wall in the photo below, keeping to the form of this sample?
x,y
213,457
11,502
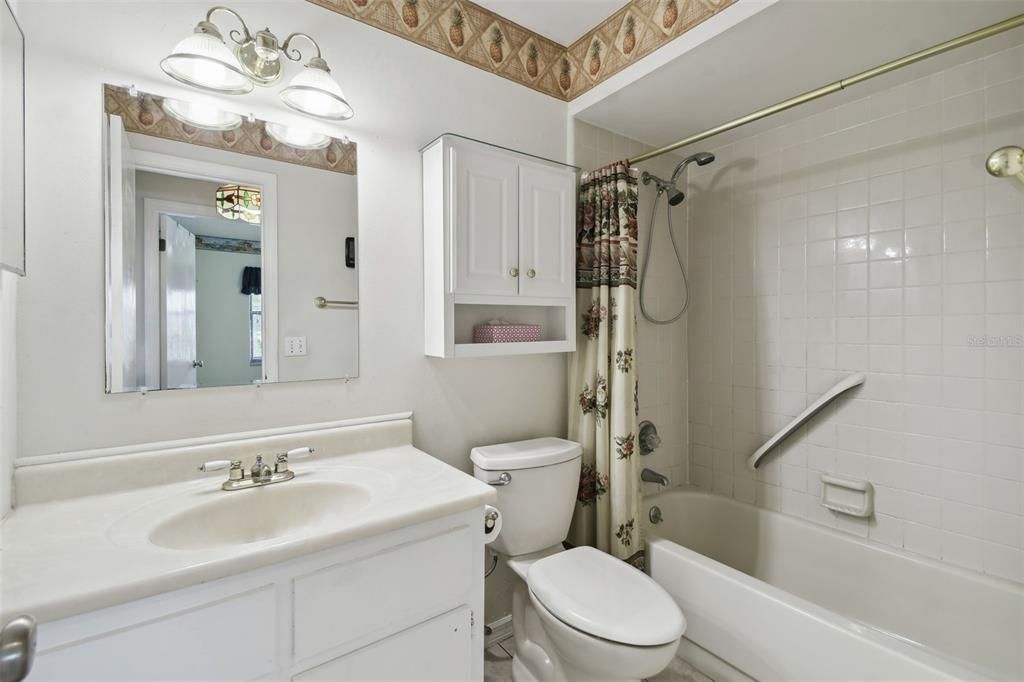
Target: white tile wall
x,y
869,238
661,363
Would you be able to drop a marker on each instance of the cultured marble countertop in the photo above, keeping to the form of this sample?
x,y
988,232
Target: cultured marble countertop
x,y
63,558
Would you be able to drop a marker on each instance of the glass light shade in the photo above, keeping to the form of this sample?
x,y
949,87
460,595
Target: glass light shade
x,y
238,202
203,61
201,115
315,93
300,138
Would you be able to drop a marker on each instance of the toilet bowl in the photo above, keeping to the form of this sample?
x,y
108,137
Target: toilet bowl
x,y
577,614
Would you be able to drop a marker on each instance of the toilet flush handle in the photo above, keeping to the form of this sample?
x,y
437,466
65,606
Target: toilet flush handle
x,y
504,479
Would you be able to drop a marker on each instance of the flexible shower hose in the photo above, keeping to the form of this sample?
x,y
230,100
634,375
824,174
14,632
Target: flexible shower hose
x,y
647,263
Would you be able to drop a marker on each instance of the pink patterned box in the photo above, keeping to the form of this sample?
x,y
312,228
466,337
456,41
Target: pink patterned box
x,y
499,331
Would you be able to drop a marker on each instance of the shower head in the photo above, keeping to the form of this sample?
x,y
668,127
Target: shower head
x,y
674,194
675,197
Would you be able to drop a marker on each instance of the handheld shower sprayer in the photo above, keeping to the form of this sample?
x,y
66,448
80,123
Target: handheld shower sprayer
x,y
675,197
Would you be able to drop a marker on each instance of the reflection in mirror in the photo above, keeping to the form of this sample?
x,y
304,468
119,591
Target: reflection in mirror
x,y
219,246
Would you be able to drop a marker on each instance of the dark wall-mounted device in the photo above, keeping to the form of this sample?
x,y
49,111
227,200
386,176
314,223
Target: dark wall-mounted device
x,y
350,252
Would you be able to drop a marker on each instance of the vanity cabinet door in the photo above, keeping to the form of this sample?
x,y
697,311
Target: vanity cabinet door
x,y
546,231
438,649
483,220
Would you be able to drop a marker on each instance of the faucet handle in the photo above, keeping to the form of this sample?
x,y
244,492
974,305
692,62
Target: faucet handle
x,y
281,466
218,464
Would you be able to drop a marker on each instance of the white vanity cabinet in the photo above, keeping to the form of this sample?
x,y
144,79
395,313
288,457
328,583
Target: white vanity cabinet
x,y
498,243
406,605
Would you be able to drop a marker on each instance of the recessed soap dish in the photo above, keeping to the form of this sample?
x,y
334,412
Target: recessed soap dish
x,y
848,496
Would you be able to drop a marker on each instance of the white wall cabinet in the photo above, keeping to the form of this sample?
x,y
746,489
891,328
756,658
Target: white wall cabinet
x,y
405,605
485,233
498,243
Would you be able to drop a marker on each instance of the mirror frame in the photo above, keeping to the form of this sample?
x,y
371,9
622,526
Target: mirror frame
x,y
18,263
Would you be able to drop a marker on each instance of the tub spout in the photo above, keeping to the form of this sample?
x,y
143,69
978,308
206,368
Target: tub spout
x,y
652,476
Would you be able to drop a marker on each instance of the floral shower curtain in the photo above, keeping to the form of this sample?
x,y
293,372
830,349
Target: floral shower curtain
x,y
603,408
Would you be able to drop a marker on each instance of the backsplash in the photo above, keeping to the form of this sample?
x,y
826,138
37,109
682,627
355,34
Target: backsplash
x,y
868,238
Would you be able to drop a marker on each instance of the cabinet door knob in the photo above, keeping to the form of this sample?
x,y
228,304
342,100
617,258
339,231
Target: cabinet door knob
x,y
531,273
513,272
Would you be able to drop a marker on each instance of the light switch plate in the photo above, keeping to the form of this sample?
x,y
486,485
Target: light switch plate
x,y
294,345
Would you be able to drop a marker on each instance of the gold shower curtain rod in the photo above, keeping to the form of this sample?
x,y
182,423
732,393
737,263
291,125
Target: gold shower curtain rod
x,y
966,39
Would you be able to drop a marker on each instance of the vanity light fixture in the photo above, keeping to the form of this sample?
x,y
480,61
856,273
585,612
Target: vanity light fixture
x,y
203,60
201,115
300,138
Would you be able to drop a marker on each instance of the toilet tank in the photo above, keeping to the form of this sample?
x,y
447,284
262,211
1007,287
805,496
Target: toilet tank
x,y
537,502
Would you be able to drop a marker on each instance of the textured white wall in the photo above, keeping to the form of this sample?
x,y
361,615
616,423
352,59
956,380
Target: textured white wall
x,y
869,238
404,95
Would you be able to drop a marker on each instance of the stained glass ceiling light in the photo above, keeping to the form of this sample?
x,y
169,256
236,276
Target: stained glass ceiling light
x,y
238,202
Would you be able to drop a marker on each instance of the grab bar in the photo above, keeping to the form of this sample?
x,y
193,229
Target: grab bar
x,y
843,386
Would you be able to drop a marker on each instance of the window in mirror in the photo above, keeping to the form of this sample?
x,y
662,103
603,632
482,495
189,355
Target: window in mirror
x,y
255,329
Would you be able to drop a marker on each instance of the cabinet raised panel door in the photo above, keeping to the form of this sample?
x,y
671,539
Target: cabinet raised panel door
x,y
484,233
546,231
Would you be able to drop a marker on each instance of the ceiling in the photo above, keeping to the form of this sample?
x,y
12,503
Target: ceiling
x,y
219,227
772,56
563,21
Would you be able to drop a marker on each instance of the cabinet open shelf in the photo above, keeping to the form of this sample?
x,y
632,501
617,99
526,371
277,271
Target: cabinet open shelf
x,y
486,350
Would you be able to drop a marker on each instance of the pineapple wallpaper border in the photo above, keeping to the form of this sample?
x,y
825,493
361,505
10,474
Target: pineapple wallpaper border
x,y
475,35
143,114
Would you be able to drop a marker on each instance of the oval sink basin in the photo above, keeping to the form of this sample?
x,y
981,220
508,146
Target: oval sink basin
x,y
243,516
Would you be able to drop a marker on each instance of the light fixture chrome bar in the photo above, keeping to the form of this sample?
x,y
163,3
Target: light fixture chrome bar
x,y
817,93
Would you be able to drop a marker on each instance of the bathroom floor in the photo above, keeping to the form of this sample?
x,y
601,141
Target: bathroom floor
x,y
498,666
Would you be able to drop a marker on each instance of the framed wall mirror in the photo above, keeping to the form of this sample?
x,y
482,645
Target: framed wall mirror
x,y
231,253
12,143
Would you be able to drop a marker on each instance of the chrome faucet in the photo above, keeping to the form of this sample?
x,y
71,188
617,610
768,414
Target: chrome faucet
x,y
260,473
652,476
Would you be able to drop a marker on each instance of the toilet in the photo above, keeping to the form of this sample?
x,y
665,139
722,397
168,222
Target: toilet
x,y
577,614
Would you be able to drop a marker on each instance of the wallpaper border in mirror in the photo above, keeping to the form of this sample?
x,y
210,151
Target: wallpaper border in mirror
x,y
144,114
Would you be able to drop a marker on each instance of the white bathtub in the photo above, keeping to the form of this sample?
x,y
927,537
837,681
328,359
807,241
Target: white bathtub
x,y
779,598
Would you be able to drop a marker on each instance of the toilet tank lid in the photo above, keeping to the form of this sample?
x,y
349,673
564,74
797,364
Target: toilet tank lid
x,y
525,454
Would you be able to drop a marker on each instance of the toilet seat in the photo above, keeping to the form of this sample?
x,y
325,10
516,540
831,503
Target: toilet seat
x,y
604,597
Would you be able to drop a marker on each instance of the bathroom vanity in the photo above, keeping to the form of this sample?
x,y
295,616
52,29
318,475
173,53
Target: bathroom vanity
x,y
367,565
